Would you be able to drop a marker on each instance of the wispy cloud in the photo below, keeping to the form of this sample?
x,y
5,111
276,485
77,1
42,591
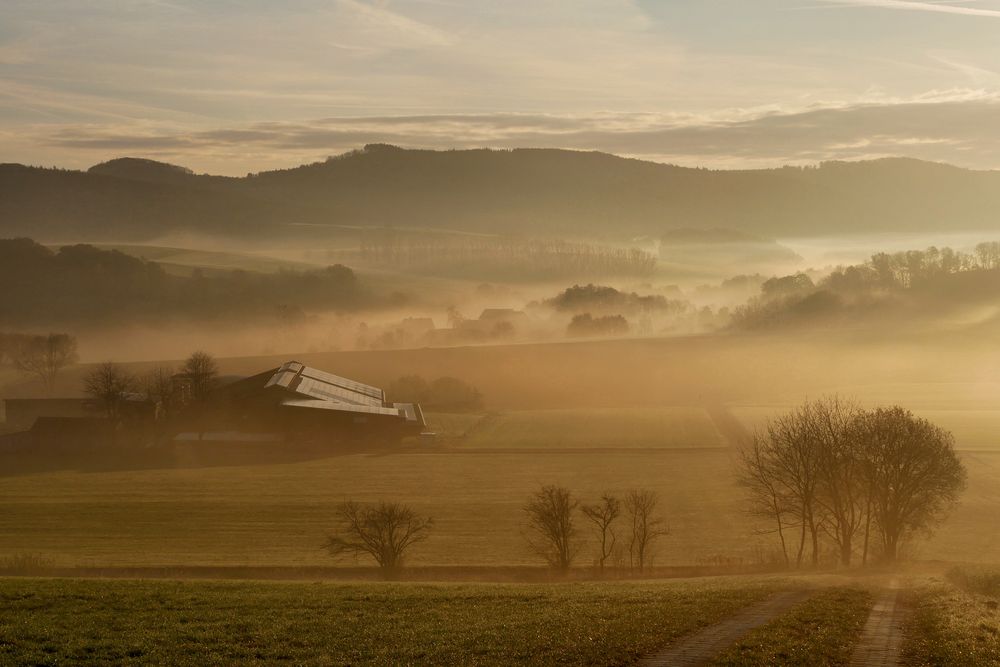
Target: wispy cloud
x,y
913,5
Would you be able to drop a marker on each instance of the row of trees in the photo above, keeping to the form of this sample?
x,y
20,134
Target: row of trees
x,y
553,533
386,531
175,392
862,480
82,284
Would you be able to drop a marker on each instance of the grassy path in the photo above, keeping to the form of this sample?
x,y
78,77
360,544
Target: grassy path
x,y
701,647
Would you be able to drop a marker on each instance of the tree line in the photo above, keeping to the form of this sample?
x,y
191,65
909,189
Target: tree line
x,y
42,356
862,481
626,529
867,288
533,256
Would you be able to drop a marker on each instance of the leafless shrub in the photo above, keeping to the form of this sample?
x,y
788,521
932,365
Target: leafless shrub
x,y
384,531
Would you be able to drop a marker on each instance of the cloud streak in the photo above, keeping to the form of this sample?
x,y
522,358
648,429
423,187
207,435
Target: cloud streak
x,y
914,6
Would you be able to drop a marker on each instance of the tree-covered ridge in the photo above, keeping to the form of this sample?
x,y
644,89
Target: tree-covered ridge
x,y
82,284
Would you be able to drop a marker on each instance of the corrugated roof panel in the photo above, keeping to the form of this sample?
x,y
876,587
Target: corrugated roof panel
x,y
330,378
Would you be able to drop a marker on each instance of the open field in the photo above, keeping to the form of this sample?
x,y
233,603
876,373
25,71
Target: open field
x,y
278,514
195,623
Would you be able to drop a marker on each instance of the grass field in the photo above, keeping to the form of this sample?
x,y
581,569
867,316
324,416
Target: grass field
x,y
49,622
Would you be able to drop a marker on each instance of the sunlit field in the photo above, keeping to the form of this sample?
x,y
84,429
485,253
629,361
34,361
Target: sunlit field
x,y
666,428
278,514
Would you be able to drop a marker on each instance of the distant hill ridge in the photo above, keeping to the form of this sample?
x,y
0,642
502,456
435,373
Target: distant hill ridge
x,y
529,191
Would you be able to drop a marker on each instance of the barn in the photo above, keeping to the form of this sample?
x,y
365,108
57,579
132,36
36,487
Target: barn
x,y
309,404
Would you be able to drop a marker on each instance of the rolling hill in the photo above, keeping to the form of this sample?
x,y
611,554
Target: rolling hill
x,y
534,191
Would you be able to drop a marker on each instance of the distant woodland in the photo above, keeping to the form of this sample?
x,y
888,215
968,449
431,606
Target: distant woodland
x,y
924,284
81,284
608,300
565,194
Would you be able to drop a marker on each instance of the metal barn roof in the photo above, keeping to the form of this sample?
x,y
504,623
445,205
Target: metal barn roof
x,y
318,390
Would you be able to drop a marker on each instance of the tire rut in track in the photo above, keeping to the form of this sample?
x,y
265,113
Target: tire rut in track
x,y
881,640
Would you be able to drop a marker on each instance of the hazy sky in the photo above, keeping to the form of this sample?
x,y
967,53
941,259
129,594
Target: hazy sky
x,y
230,86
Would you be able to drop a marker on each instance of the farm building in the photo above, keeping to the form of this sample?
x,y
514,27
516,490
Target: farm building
x,y
306,403
20,414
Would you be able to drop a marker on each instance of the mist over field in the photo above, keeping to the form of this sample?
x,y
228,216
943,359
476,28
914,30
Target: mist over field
x,y
393,332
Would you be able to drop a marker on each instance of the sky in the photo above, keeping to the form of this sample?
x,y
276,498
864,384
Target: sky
x,y
238,86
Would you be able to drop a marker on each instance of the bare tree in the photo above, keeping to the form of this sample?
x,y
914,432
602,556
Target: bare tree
x,y
760,475
162,388
913,473
646,526
841,491
602,516
202,373
109,384
44,357
384,531
552,534
791,449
